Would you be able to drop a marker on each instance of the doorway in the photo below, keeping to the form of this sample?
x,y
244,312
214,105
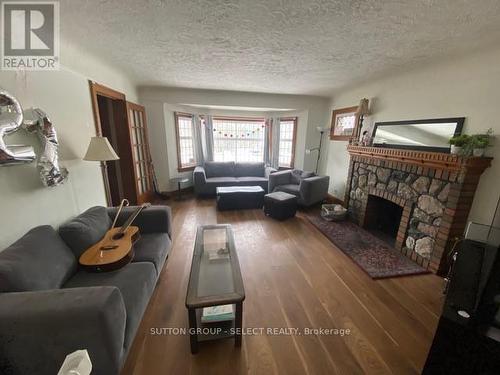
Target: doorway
x,y
113,122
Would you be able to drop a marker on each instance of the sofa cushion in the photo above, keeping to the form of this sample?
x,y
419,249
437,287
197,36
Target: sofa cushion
x,y
37,261
289,188
221,180
251,180
298,175
219,169
249,170
86,229
154,248
136,282
153,219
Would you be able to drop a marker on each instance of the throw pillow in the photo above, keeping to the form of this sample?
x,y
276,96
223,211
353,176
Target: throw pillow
x,y
39,260
298,175
86,229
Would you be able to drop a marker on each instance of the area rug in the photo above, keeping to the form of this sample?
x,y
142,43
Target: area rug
x,y
373,255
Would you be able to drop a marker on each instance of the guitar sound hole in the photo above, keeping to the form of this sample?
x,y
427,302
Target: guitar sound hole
x,y
117,236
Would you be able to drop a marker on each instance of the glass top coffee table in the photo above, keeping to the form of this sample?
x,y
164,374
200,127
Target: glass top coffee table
x,y
215,280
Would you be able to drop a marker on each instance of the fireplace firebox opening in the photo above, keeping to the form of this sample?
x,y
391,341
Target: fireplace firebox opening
x,y
382,218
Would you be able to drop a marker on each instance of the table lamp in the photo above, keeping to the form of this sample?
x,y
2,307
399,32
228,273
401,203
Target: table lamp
x,y
101,150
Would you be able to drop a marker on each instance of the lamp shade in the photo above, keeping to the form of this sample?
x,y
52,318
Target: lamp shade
x,y
100,150
363,108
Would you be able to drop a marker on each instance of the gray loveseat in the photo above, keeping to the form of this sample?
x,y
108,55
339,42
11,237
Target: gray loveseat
x,y
214,174
306,186
49,307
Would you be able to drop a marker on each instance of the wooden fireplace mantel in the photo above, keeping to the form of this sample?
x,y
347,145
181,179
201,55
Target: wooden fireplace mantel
x,y
437,160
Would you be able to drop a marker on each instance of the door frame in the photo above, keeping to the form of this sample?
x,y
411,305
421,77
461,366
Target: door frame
x,y
98,89
125,153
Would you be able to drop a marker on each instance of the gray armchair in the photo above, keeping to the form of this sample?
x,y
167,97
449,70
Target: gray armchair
x,y
307,187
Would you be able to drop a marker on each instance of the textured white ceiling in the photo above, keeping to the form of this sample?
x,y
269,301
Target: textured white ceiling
x,y
278,46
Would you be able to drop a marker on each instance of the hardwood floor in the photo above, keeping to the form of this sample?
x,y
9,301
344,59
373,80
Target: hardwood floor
x,y
294,277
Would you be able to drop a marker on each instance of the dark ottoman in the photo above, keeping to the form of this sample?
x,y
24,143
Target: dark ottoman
x,y
239,197
280,205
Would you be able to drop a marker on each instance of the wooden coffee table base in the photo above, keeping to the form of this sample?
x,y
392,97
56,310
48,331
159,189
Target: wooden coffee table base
x,y
214,282
195,338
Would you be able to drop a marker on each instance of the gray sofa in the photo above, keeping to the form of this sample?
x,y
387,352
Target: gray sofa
x,y
49,307
214,174
306,186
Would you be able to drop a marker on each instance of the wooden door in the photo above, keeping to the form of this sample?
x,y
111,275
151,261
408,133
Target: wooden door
x,y
111,120
140,152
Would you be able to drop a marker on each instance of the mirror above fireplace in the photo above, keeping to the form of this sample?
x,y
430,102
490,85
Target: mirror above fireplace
x,y
426,135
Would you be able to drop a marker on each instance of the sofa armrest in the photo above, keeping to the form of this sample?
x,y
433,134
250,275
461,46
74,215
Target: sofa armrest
x,y
279,178
199,179
153,219
268,171
313,190
38,329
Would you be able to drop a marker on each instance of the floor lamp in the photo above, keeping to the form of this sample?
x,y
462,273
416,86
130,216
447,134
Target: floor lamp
x,y
101,150
310,150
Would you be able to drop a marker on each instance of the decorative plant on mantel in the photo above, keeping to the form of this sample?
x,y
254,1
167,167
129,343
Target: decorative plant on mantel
x,y
458,143
468,145
479,142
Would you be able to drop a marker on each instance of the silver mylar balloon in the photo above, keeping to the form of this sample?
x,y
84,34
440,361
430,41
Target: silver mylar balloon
x,y
36,121
11,119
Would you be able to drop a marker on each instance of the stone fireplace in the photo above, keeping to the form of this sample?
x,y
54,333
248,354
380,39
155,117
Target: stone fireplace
x,y
416,201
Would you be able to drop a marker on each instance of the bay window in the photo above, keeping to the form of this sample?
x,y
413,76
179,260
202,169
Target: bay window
x,y
238,139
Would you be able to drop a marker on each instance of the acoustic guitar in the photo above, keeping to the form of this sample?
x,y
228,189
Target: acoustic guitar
x,y
115,249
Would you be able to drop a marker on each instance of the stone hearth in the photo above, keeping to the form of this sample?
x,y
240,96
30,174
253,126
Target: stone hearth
x,y
434,190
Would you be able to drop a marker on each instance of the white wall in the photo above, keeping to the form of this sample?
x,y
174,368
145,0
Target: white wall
x,y
161,103
469,86
65,96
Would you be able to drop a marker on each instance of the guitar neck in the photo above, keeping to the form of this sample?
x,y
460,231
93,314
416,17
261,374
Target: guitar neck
x,y
132,217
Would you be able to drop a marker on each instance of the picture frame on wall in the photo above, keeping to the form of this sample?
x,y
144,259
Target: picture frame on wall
x,y
344,123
